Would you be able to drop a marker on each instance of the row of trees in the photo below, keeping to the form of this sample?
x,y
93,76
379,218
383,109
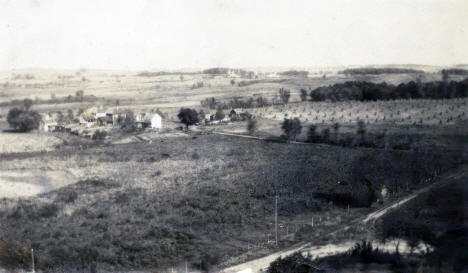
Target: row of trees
x,y
259,101
368,91
293,128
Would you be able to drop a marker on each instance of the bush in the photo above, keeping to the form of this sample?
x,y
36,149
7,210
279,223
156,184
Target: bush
x,y
23,120
14,255
293,264
251,126
99,135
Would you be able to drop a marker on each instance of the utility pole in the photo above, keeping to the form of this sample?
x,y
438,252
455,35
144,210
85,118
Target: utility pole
x,y
276,220
186,269
32,259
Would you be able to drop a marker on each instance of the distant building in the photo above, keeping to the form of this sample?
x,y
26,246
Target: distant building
x,y
48,126
156,122
104,119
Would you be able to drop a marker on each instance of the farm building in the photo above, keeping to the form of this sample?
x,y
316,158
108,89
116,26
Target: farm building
x,y
239,115
88,117
156,122
48,126
104,119
233,115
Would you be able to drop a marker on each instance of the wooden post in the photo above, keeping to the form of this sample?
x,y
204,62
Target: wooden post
x,y
276,220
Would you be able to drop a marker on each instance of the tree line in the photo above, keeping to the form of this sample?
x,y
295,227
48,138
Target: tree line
x,y
368,91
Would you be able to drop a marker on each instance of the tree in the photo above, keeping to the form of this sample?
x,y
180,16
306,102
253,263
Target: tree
x,y
291,128
251,126
60,117
326,135
336,128
361,132
188,116
303,94
261,101
27,104
129,122
201,114
79,94
312,133
284,95
219,114
99,135
70,115
23,120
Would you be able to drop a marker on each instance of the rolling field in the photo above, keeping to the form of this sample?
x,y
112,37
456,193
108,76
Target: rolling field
x,y
176,199
153,201
167,92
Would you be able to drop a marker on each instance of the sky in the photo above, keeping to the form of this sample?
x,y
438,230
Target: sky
x,y
175,34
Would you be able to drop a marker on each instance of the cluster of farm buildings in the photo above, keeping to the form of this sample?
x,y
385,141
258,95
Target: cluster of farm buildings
x,y
92,119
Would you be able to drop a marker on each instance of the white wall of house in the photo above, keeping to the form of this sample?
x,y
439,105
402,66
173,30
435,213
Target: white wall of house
x,y
156,122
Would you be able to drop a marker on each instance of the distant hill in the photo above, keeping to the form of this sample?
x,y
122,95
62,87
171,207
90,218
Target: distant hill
x,y
377,71
455,71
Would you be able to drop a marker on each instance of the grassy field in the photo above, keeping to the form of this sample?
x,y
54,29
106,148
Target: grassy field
x,y
192,198
154,201
167,92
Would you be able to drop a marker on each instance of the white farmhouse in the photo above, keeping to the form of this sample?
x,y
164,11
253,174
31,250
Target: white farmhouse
x,y
156,122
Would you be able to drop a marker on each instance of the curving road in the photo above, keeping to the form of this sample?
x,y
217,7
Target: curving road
x,y
260,264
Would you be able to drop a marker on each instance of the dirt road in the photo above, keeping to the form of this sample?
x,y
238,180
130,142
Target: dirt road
x,y
260,264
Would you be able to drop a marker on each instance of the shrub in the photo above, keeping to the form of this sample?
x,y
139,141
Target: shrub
x,y
13,254
251,126
99,135
23,120
292,264
66,196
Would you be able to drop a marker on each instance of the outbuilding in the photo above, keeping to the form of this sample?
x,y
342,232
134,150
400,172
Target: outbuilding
x,y
156,122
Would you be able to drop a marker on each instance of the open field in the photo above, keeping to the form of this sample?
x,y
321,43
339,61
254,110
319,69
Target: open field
x,y
166,91
16,143
191,193
151,201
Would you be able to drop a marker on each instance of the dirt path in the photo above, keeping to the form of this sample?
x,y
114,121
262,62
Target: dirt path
x,y
260,264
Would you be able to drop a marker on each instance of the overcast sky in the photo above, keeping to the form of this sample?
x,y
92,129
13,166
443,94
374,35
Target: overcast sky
x,y
171,34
